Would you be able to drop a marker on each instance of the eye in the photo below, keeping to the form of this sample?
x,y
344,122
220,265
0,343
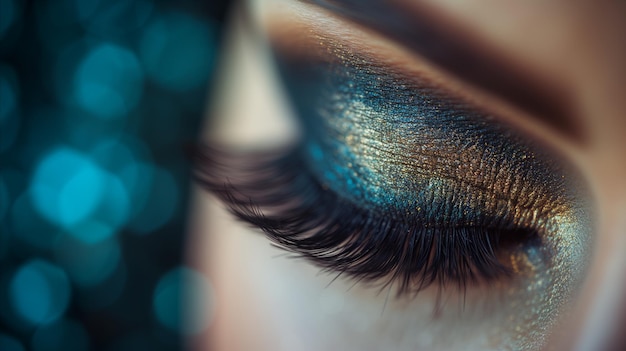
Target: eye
x,y
402,181
399,182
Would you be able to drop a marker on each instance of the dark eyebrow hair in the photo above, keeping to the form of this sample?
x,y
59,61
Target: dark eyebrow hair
x,y
464,57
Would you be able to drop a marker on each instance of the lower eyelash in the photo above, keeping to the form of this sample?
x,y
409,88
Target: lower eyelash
x,y
278,195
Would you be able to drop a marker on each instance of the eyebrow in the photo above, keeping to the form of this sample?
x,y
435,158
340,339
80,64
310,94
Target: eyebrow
x,y
465,57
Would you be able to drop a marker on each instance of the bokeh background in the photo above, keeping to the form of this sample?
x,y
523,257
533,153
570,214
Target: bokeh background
x,y
98,99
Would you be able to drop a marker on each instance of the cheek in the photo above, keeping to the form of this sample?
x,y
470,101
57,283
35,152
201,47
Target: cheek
x,y
265,300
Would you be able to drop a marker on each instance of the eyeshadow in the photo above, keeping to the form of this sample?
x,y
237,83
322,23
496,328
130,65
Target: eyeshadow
x,y
410,149
405,148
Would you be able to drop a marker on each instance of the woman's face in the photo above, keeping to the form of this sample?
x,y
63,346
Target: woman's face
x,y
441,175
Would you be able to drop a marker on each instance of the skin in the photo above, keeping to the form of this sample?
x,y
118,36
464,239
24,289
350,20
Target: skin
x,y
265,301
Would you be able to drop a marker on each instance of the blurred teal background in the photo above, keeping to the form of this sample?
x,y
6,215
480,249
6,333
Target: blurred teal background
x,y
98,99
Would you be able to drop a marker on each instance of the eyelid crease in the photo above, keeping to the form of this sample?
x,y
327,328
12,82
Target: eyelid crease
x,y
324,35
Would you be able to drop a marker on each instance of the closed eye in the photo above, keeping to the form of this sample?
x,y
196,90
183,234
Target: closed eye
x,y
400,182
402,178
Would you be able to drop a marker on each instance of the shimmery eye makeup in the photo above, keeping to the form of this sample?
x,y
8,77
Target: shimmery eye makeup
x,y
401,147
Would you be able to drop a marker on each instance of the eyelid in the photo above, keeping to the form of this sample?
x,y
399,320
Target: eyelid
x,y
370,131
313,29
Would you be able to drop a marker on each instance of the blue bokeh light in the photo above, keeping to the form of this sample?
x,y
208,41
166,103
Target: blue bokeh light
x,y
39,292
63,335
72,191
67,186
178,51
88,264
8,343
108,82
157,198
79,196
182,301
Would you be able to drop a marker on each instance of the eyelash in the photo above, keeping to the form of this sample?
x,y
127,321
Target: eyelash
x,y
277,193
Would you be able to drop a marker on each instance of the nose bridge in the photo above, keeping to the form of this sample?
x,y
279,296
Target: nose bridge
x,y
603,302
